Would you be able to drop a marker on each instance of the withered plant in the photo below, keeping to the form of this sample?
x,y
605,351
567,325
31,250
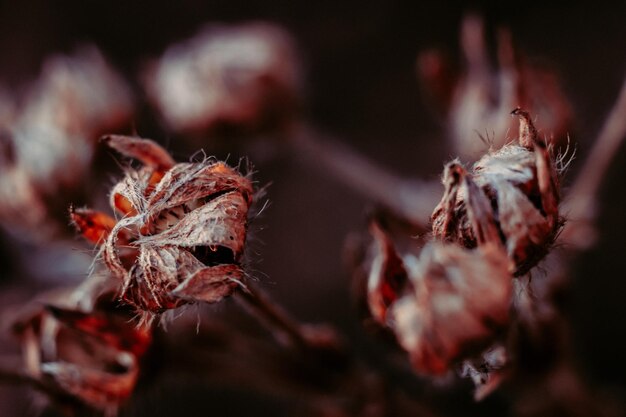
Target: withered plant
x,y
450,280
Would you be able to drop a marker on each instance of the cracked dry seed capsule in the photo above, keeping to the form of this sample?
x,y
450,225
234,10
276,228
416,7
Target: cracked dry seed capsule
x,y
183,230
450,302
521,184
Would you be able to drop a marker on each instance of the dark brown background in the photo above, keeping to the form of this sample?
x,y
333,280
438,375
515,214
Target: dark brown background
x,y
360,66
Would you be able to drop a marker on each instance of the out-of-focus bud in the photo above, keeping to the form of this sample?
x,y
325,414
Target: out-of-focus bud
x,y
89,356
475,103
52,138
183,232
458,303
444,306
245,76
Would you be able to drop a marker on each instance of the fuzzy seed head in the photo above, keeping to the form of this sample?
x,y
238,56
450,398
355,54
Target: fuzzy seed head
x,y
520,184
182,235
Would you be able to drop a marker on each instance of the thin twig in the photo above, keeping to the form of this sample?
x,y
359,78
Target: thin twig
x,y
582,204
285,328
412,200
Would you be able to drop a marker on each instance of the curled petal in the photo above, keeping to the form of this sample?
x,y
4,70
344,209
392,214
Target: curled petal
x,y
387,278
129,195
528,234
210,284
146,151
94,225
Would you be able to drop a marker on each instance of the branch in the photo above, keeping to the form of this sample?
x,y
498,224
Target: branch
x,y
410,199
582,201
286,329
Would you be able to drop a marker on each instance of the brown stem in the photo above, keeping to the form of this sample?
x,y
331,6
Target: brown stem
x,y
410,199
286,329
582,205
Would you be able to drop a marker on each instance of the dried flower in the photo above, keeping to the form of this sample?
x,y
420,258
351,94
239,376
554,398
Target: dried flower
x,y
91,356
50,140
246,76
451,302
459,302
477,100
183,232
455,300
521,185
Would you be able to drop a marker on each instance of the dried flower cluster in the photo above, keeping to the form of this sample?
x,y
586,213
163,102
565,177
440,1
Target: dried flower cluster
x,y
48,142
246,76
183,230
451,285
493,223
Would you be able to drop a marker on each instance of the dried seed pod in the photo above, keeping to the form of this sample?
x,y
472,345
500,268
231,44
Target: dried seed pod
x,y
92,356
51,139
183,232
478,99
458,302
246,76
450,302
521,185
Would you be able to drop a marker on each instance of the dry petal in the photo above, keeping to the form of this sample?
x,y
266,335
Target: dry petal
x,y
147,151
95,226
210,284
387,276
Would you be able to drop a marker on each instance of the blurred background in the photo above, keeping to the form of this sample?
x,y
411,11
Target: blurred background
x,y
360,83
